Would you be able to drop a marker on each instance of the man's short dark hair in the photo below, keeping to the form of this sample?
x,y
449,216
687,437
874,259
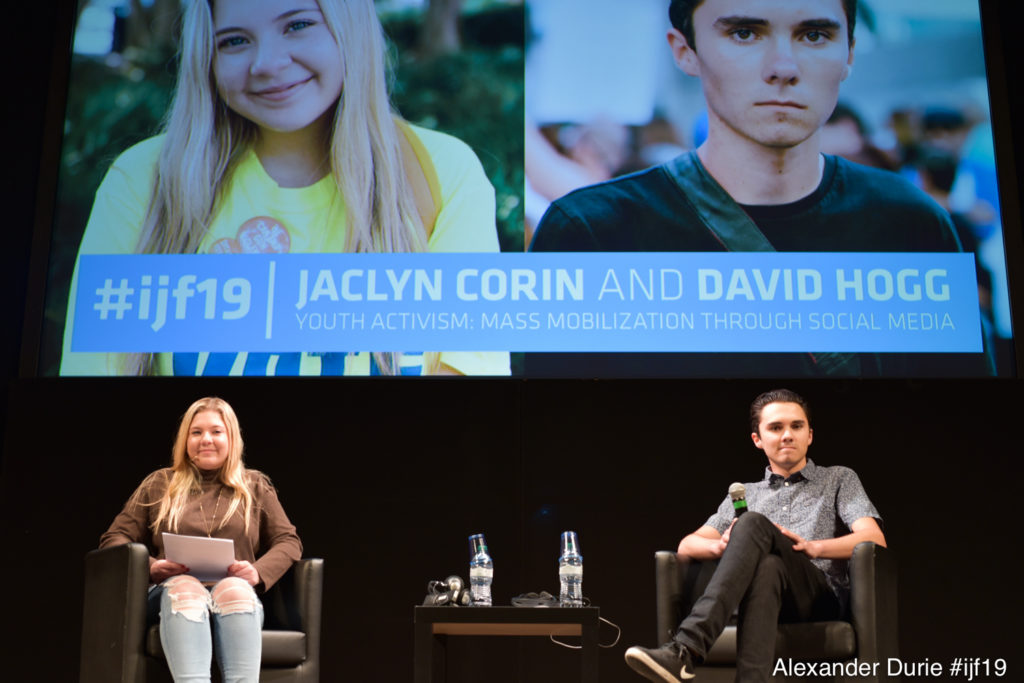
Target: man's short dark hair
x,y
680,13
775,396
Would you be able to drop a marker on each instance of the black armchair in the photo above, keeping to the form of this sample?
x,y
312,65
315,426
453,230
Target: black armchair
x,y
870,634
117,646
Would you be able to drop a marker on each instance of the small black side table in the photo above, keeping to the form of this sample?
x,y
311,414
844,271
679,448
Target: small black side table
x,y
434,625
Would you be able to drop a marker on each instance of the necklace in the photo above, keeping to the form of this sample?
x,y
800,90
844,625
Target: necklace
x,y
202,513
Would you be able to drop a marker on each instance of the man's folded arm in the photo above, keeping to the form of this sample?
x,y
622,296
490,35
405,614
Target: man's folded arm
x,y
703,544
841,547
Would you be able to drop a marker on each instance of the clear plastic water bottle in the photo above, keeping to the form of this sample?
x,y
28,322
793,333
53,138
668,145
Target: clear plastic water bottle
x,y
481,571
570,572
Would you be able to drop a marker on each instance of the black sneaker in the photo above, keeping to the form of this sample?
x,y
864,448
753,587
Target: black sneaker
x,y
671,662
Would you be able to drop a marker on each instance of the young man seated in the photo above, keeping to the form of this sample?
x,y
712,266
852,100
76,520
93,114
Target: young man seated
x,y
780,561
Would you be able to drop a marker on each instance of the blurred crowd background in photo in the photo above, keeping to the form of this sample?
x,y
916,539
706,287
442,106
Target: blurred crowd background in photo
x,y
604,98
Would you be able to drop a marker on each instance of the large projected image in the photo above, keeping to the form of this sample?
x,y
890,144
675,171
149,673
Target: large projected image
x,y
797,126
271,131
556,188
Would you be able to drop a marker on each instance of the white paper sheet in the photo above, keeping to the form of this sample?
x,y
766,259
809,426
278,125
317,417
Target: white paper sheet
x,y
207,559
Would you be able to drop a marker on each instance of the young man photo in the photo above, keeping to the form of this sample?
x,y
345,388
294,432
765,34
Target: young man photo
x,y
780,561
770,71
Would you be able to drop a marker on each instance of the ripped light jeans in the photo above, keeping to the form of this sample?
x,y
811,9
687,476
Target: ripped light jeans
x,y
184,606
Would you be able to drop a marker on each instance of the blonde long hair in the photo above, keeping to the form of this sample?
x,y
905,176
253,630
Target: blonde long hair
x,y
205,140
186,478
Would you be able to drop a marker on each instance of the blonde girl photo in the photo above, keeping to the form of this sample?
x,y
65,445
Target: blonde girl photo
x,y
281,138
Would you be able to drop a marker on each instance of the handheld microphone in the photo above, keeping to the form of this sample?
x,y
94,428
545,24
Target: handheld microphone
x,y
738,493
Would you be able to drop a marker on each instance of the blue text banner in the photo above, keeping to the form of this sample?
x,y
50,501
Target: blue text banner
x,y
567,302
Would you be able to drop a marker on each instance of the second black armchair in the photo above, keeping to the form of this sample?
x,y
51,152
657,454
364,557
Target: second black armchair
x,y
870,634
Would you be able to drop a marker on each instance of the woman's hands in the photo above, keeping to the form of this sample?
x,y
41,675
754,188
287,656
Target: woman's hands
x,y
244,570
161,570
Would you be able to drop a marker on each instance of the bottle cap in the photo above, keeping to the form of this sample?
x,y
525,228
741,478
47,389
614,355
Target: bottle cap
x,y
477,544
570,543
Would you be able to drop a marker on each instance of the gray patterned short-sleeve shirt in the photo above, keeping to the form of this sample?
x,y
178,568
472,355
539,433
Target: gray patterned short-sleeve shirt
x,y
816,503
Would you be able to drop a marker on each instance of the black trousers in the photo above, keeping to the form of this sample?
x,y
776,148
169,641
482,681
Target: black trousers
x,y
769,582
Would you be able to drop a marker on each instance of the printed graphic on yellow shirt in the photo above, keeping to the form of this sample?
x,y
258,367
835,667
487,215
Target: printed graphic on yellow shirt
x,y
259,235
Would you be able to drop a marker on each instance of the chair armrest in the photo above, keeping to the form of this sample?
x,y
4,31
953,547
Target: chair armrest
x,y
873,602
295,603
309,588
114,614
666,590
678,584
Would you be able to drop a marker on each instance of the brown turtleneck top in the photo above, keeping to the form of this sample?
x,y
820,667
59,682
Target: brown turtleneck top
x,y
271,544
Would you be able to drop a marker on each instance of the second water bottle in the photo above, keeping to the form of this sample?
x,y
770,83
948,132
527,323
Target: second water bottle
x,y
481,571
570,572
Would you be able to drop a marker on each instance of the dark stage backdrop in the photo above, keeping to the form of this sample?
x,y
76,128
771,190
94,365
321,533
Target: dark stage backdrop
x,y
385,480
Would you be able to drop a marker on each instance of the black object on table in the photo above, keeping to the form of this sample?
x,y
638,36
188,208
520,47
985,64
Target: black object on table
x,y
434,625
